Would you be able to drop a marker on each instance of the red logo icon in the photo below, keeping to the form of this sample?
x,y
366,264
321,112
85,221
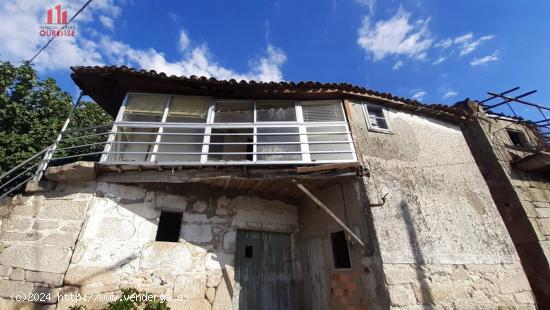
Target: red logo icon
x,y
61,15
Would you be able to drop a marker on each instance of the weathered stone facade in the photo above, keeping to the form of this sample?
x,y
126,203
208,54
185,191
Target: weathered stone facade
x,y
522,197
440,238
94,238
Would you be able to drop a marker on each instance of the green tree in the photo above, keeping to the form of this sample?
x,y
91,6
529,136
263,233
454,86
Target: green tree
x,y
32,111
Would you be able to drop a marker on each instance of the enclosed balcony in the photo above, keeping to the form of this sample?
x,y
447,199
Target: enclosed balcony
x,y
155,129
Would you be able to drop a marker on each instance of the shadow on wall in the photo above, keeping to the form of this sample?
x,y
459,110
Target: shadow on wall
x,y
419,261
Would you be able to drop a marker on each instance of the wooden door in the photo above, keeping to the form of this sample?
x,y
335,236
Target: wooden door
x,y
263,270
316,288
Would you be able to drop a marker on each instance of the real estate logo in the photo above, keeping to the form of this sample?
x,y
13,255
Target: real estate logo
x,y
57,24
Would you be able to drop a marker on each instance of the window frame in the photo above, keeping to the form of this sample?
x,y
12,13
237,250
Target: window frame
x,y
210,124
366,115
333,231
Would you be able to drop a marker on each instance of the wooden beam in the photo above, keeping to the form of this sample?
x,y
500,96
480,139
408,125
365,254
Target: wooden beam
x,y
327,210
327,167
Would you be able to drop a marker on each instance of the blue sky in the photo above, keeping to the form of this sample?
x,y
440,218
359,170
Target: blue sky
x,y
434,51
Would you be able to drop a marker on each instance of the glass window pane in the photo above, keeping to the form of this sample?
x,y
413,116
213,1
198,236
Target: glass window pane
x,y
145,108
140,140
188,109
234,112
376,117
279,147
318,147
179,136
275,111
323,111
231,140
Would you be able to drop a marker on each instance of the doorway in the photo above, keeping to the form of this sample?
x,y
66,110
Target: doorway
x,y
263,270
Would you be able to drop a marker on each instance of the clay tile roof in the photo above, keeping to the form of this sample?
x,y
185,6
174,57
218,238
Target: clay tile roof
x,y
107,85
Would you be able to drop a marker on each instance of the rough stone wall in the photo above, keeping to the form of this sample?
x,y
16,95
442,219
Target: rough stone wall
x,y
523,198
116,247
441,239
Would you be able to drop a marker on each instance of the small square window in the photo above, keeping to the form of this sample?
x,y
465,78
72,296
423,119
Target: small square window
x,y
517,137
376,118
169,226
340,250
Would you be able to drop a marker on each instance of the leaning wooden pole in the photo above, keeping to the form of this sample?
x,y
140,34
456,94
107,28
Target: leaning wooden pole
x,y
327,210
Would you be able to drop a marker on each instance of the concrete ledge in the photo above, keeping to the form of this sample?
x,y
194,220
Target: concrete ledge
x,y
77,171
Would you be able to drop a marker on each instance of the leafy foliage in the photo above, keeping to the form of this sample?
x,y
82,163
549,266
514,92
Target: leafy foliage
x,y
32,111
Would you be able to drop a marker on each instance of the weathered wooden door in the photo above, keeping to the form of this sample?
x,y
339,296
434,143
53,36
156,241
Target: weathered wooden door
x,y
263,270
316,280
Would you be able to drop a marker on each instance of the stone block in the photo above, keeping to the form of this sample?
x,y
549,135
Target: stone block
x,y
78,171
36,257
53,279
17,274
193,304
112,190
401,296
29,209
33,187
166,255
210,294
170,202
5,271
524,298
79,275
222,299
229,241
116,229
8,287
196,233
20,236
543,212
514,283
45,224
400,274
4,211
63,210
52,293
17,223
8,304
544,225
190,286
64,239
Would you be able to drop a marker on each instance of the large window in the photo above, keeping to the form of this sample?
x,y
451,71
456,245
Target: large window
x,y
163,129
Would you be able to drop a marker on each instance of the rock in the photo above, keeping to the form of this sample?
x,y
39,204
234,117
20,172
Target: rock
x,y
210,294
36,257
17,274
8,287
78,275
222,299
116,229
45,224
5,271
192,304
33,187
190,286
77,171
196,233
54,279
63,210
166,256
401,296
229,240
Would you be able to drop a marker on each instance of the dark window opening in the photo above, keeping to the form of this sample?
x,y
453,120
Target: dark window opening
x,y
248,251
340,250
169,226
517,138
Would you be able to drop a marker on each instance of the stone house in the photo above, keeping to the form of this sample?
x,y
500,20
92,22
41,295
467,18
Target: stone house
x,y
514,160
225,194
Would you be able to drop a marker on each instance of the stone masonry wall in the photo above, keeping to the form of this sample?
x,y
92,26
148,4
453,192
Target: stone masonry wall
x,y
523,198
116,246
441,239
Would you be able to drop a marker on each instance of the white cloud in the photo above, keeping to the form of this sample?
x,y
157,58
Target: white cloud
x,y
484,60
450,94
396,36
184,41
368,3
20,40
439,60
418,94
398,65
465,43
107,22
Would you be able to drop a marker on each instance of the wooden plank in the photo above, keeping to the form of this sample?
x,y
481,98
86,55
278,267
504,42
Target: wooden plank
x,y
248,269
276,271
316,276
327,210
326,167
